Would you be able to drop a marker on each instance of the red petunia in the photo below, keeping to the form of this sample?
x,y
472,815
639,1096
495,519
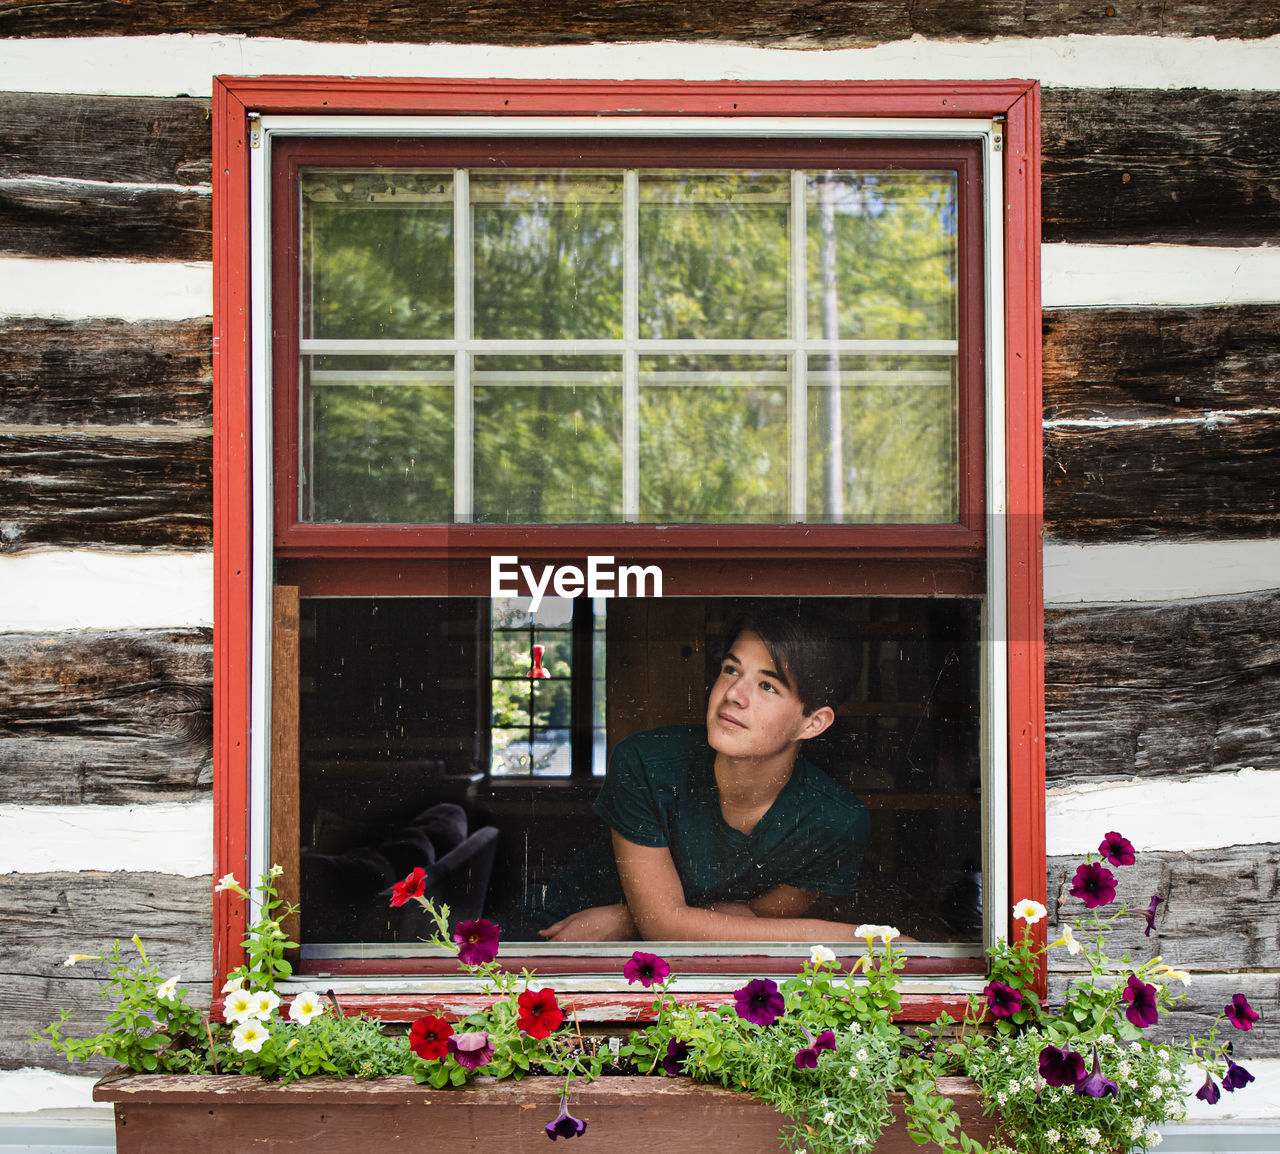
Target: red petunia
x,y
429,1038
540,1013
414,886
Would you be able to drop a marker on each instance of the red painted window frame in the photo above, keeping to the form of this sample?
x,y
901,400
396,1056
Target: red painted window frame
x,y
1015,102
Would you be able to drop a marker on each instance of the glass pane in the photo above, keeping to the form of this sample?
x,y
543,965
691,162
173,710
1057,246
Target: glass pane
x,y
548,255
377,254
377,439
881,255
713,255
882,439
713,439
548,439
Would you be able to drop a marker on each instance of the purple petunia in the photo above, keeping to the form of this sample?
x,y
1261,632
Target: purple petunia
x,y
645,969
1117,850
1236,1078
477,942
1142,1011
677,1052
1094,884
808,1057
1002,1001
759,1002
1061,1067
565,1125
471,1050
1156,900
1095,1085
1209,1092
1240,1014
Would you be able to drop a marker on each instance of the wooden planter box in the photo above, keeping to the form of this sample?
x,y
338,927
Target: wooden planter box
x,y
209,1114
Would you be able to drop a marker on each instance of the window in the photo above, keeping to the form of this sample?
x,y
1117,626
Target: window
x,y
765,351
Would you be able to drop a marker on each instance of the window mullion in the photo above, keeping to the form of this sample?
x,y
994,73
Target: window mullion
x,y
798,330
463,295
630,335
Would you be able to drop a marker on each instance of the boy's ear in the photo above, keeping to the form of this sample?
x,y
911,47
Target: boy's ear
x,y
817,722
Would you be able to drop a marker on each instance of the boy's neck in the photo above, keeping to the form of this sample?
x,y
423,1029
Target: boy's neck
x,y
750,782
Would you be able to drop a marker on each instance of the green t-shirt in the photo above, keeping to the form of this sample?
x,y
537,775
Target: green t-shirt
x,y
661,791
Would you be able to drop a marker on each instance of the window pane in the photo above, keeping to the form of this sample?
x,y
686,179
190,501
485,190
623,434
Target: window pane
x,y
548,255
882,439
713,438
881,255
378,254
377,439
548,439
713,255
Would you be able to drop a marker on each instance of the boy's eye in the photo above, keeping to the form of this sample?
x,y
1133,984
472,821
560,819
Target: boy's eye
x,y
768,687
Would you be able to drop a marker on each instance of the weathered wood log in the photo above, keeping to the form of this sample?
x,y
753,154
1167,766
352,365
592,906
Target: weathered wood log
x,y
1221,908
131,487
60,218
105,372
834,23
49,916
1128,166
1161,690
106,718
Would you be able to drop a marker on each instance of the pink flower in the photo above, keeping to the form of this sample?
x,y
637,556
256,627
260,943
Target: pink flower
x,y
1240,1014
471,1050
1002,1001
1094,884
477,942
647,969
1117,850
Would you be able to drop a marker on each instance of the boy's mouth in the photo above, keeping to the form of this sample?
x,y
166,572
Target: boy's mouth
x,y
726,719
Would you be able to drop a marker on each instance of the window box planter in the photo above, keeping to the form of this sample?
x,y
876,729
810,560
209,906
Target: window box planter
x,y
210,1114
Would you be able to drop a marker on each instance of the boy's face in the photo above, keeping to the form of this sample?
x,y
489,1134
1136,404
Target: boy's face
x,y
752,711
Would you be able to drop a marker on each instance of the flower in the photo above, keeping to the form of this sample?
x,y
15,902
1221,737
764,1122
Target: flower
x,y
167,991
305,1006
248,1036
231,985
759,1002
228,882
1156,900
414,886
471,1050
1117,850
1209,1092
72,959
1002,1001
1029,911
808,1057
477,942
829,1118
1061,1067
822,956
1094,884
1240,1014
677,1052
1236,1077
540,1013
565,1125
276,871
868,931
262,1004
429,1037
238,1007
1141,997
1095,1085
645,969
1068,939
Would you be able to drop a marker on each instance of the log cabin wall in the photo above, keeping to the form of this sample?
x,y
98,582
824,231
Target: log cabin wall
x,y
1162,433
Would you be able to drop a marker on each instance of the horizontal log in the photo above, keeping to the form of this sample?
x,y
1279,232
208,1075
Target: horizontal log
x,y
56,218
1221,907
137,488
1161,690
834,23
105,372
106,718
47,917
1131,166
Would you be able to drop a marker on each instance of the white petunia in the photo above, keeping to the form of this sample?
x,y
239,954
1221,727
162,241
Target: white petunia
x,y
167,991
262,1003
1030,911
231,985
228,882
305,1006
1068,939
277,870
238,1006
249,1036
868,931
72,959
822,955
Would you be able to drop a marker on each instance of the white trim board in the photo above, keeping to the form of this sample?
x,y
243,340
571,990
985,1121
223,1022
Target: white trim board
x,y
1209,811
29,1089
183,65
167,837
121,289
1160,571
85,589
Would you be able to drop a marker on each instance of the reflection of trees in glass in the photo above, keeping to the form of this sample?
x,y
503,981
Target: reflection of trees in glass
x,y
713,255
548,255
530,718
